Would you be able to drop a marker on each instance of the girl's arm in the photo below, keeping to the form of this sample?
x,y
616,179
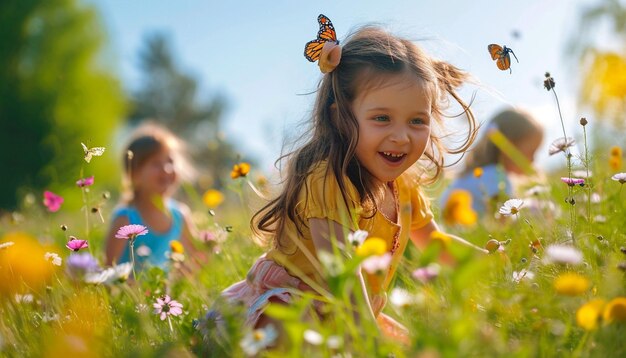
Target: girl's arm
x,y
421,237
321,231
115,246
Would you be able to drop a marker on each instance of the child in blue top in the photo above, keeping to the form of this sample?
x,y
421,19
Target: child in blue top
x,y
152,162
487,169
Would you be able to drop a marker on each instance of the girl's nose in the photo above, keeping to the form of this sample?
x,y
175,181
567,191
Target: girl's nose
x,y
399,136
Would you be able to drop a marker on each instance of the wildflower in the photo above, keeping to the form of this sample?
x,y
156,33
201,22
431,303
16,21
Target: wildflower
x,y
83,182
177,247
118,273
130,232
80,264
620,177
615,163
571,284
536,190
573,181
358,237
334,342
52,201
548,83
313,337
377,264
615,310
240,170
440,237
27,298
511,207
6,245
478,172
54,258
492,245
522,274
615,151
212,198
583,121
400,297
372,246
563,254
259,339
581,174
75,244
427,274
165,306
589,314
561,145
458,209
143,251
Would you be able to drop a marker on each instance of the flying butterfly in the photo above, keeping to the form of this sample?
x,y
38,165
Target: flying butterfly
x,y
91,152
501,55
313,48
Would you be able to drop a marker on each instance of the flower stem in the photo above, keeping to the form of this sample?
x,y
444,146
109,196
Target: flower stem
x,y
588,184
132,255
169,320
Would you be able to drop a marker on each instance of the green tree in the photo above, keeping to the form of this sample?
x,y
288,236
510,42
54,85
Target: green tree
x,y
55,93
170,96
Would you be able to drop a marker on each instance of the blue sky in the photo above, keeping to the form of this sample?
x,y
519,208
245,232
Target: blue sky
x,y
251,52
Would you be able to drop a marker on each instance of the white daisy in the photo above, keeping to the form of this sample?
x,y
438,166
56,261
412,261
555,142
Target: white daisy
x,y
511,207
563,254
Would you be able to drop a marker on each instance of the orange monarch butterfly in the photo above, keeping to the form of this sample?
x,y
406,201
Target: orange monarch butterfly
x,y
501,55
326,33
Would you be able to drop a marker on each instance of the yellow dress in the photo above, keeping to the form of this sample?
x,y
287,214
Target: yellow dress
x,y
323,200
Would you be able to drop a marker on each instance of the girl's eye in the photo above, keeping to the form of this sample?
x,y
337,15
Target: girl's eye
x,y
381,118
418,121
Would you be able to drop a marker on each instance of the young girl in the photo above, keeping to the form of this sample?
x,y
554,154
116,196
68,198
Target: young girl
x,y
152,162
487,169
377,111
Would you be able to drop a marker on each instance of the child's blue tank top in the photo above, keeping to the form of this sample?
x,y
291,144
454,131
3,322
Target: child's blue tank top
x,y
158,243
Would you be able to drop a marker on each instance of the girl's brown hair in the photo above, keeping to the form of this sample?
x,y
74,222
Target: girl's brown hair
x,y
514,124
367,57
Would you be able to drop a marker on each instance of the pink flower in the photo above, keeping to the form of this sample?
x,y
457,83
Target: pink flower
x,y
75,244
375,265
428,273
130,232
166,306
620,177
83,182
329,57
573,181
52,201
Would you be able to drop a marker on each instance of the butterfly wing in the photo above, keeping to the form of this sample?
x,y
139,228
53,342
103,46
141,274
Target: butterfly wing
x,y
327,30
313,49
495,51
504,62
326,33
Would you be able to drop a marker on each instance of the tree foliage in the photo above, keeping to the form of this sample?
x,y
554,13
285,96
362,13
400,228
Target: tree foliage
x,y
55,93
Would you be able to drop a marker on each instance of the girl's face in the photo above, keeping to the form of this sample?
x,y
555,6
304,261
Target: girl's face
x,y
157,175
394,125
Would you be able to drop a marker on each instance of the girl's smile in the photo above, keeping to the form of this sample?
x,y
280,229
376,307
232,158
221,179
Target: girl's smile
x,y
394,125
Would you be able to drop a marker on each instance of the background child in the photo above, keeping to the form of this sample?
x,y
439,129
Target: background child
x,y
152,160
491,183
376,114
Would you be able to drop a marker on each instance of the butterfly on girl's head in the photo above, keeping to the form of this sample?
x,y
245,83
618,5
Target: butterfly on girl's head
x,y
313,48
502,57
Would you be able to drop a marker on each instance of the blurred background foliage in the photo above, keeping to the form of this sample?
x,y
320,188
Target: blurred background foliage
x,y
58,89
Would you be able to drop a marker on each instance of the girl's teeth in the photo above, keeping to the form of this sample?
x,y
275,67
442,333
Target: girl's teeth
x,y
393,155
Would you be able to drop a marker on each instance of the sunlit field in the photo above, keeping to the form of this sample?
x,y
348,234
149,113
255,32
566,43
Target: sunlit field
x,y
553,284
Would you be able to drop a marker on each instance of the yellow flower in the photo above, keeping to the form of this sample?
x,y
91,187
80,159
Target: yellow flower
x,y
615,163
458,209
615,310
571,284
240,170
478,172
589,314
177,247
212,198
438,236
372,246
616,151
23,264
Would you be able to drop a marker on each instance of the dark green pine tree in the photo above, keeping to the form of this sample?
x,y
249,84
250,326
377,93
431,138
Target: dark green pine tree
x,y
55,92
